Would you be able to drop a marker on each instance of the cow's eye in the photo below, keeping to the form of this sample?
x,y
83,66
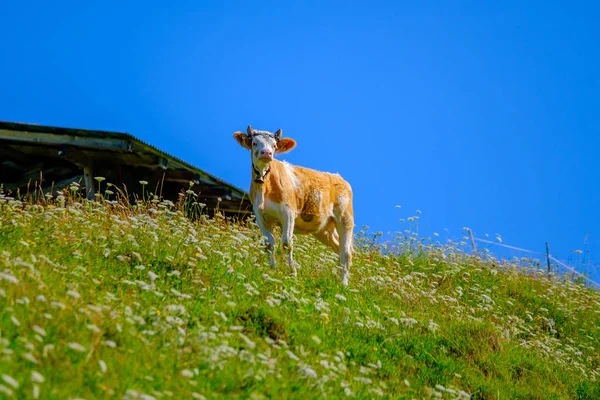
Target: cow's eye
x,y
253,144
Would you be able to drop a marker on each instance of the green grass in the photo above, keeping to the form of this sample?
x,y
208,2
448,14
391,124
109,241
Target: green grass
x,y
98,300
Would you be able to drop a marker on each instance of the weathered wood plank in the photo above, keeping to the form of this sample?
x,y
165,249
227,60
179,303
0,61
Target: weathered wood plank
x,y
51,138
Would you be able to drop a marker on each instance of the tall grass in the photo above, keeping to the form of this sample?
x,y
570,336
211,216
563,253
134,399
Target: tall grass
x,y
102,299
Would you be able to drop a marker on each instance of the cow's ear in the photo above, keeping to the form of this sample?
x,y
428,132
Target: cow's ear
x,y
285,145
243,139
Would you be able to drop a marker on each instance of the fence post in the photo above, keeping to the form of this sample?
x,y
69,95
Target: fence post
x,y
548,256
473,242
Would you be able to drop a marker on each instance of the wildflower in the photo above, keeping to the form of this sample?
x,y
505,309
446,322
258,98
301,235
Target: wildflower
x,y
76,346
340,297
100,179
29,357
37,377
316,339
102,365
409,321
187,373
143,183
73,294
5,390
309,372
39,330
36,391
246,339
152,276
10,380
433,327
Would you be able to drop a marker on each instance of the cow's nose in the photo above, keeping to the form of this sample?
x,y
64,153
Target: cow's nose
x,y
266,153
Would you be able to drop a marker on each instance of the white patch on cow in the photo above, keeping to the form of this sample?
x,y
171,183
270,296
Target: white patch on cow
x,y
342,201
289,168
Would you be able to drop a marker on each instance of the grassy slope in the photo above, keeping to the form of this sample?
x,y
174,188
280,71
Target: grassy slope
x,y
96,303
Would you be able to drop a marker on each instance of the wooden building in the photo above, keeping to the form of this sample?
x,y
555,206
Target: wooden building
x,y
65,155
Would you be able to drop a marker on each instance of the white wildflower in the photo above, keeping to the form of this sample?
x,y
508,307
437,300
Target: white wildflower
x,y
309,372
186,373
76,346
409,321
73,294
340,297
5,390
316,339
29,357
152,276
433,327
236,328
102,365
10,380
8,277
292,356
37,377
246,339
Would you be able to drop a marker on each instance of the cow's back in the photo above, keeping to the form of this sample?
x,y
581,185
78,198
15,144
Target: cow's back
x,y
318,194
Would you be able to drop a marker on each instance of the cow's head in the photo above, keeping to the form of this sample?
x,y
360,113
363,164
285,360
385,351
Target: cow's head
x,y
263,145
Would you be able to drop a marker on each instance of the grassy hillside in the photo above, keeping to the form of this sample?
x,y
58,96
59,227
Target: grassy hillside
x,y
98,300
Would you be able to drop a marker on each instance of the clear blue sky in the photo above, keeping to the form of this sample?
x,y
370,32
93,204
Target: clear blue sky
x,y
480,115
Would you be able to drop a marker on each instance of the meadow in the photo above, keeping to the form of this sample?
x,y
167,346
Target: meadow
x,y
101,299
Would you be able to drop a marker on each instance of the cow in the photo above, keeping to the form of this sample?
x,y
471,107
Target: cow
x,y
299,200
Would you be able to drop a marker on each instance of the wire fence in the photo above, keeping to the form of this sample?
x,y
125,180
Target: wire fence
x,y
554,265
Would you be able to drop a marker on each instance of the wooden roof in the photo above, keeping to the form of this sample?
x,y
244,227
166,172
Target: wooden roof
x,y
64,154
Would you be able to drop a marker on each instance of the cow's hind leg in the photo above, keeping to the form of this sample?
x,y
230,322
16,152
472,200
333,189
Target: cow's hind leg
x,y
329,236
344,222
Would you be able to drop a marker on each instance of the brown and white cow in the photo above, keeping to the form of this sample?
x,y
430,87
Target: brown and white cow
x,y
298,199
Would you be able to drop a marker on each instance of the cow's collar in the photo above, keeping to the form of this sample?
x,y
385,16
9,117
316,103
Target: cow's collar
x,y
260,177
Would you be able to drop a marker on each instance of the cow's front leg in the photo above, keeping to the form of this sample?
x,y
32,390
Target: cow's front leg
x,y
287,233
267,231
